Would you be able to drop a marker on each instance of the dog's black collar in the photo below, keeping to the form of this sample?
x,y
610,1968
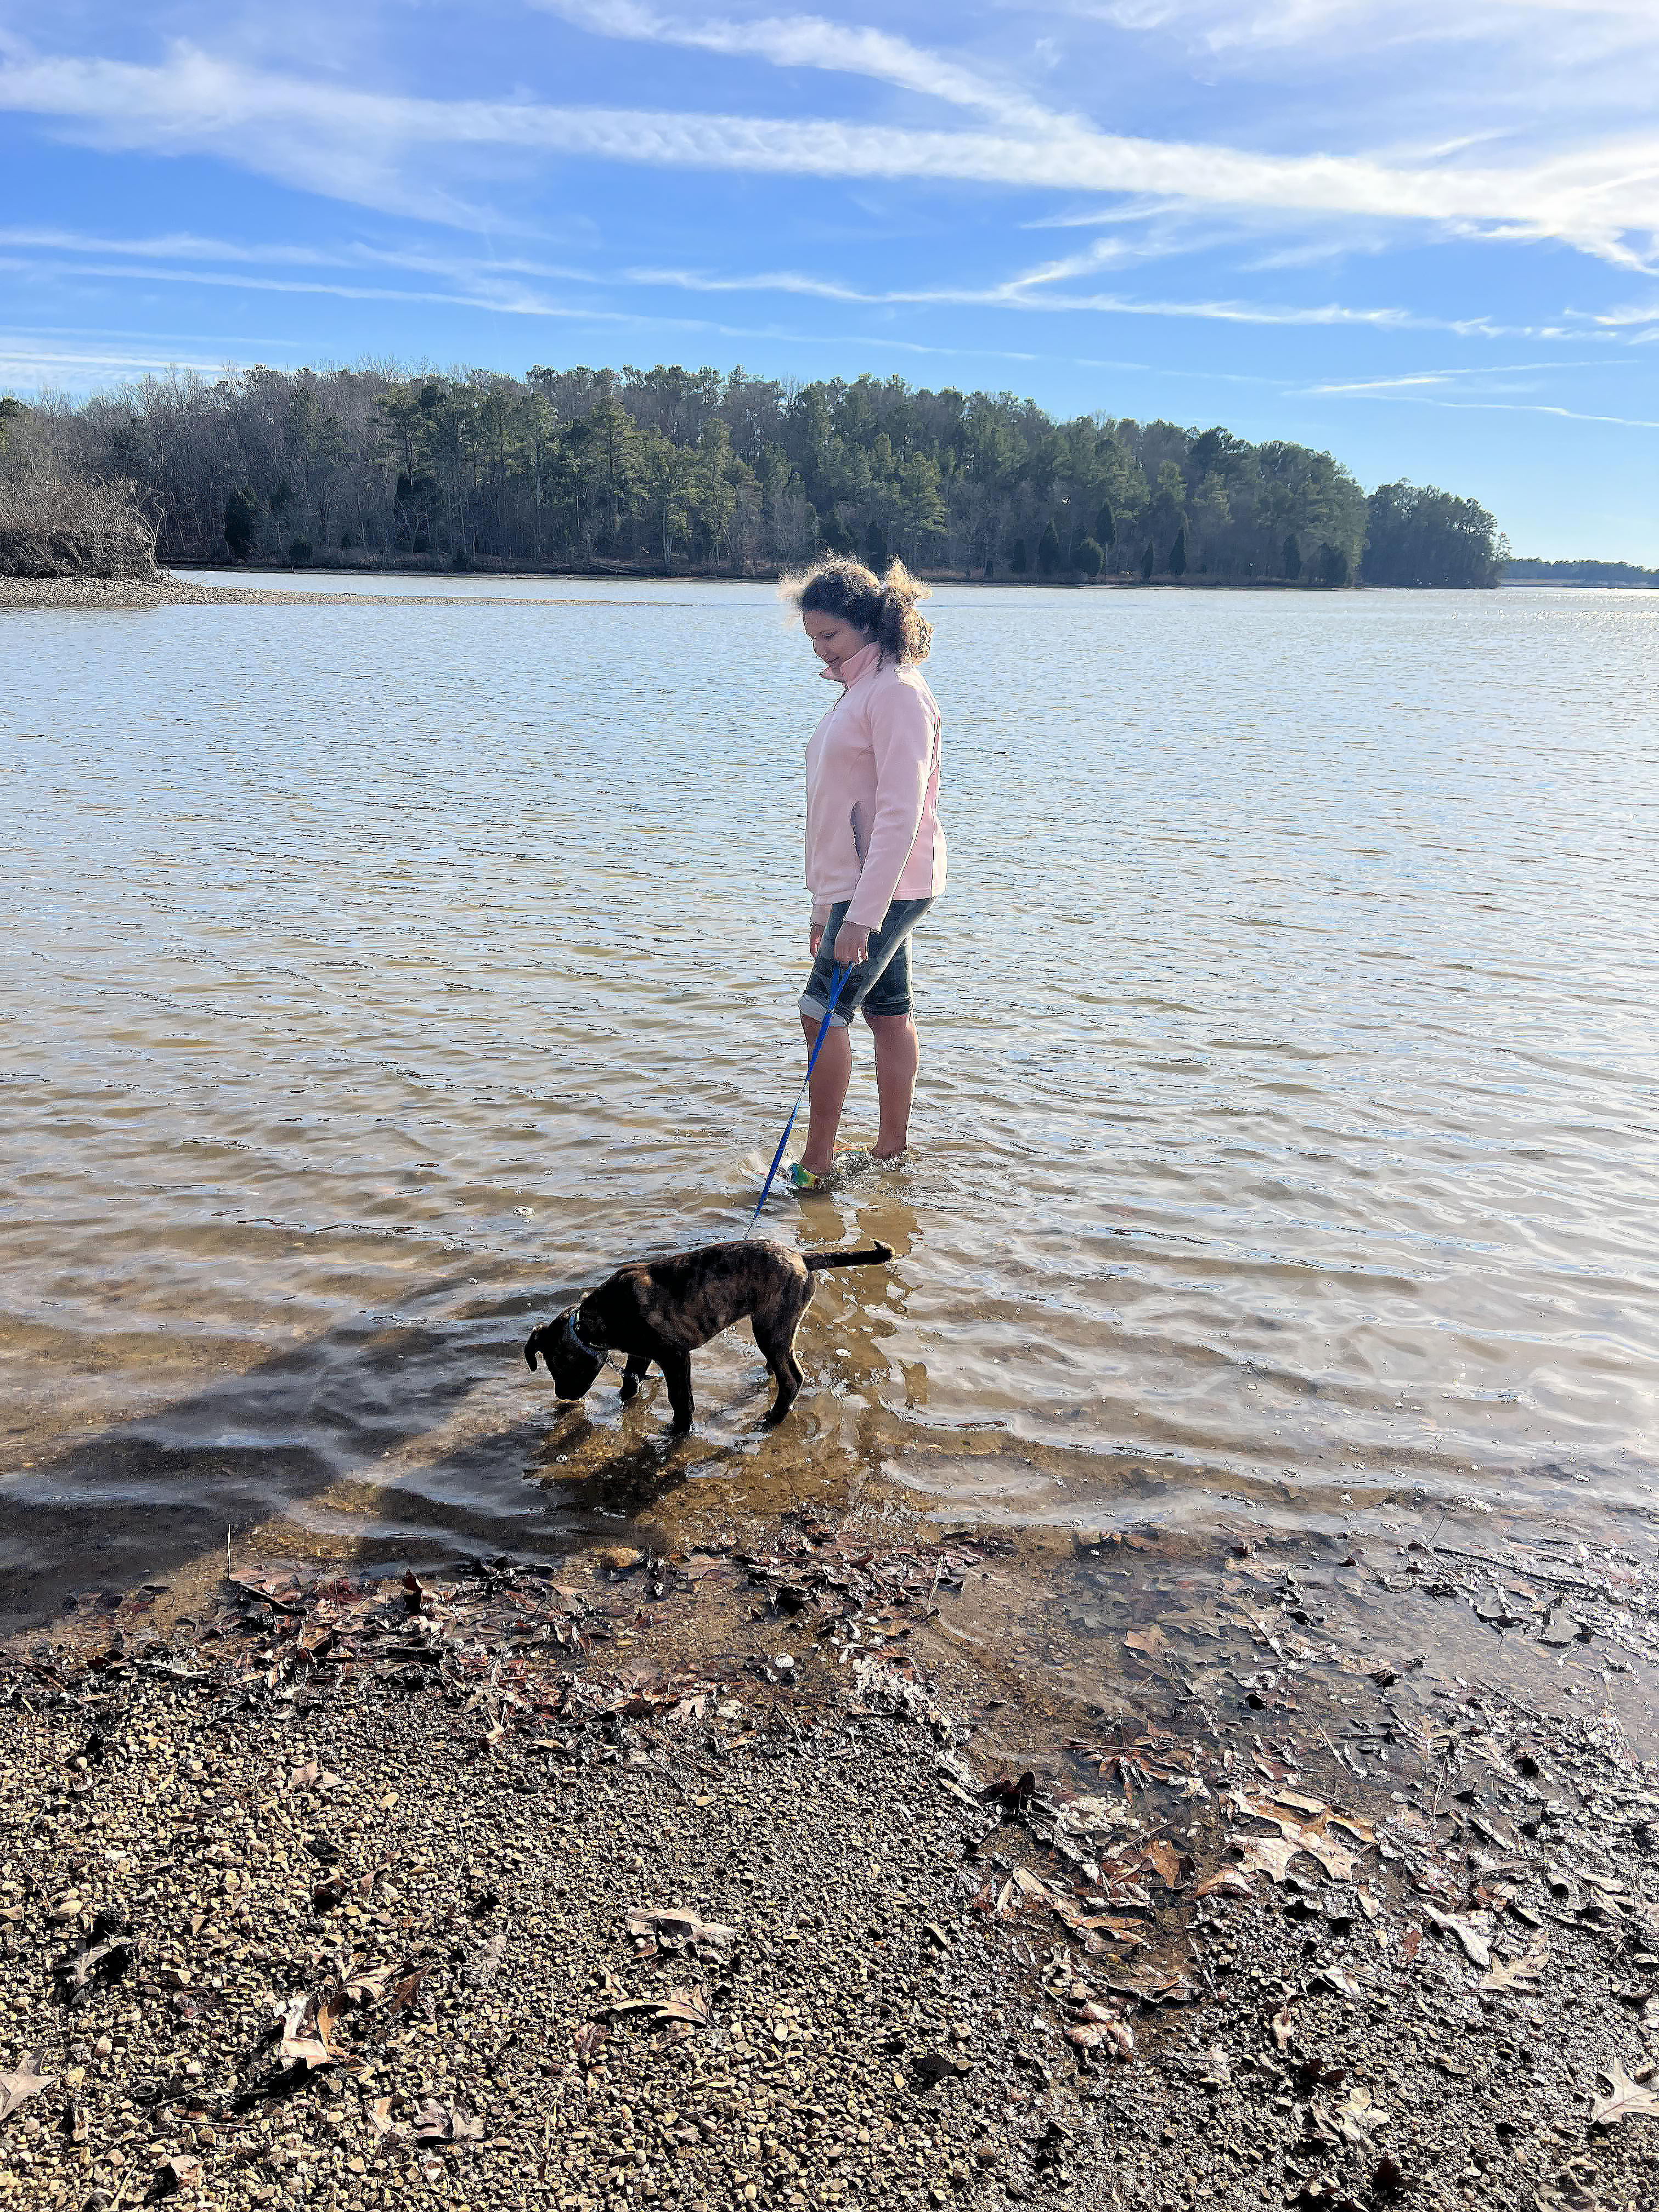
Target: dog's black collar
x,y
593,1351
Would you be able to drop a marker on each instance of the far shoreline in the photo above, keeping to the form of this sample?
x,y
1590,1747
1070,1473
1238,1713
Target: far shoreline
x,y
112,594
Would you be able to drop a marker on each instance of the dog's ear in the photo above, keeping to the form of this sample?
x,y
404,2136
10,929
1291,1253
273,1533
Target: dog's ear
x,y
529,1349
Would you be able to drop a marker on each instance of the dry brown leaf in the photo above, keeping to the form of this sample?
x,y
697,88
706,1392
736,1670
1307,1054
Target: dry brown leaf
x,y
1630,2100
308,2037
1173,1866
27,2082
588,2038
1302,1822
1227,1881
367,1985
379,2116
1269,1855
708,1939
1283,2031
1316,1809
405,1992
1112,1924
482,1968
1151,1641
1472,1930
1358,2119
1519,1974
452,2123
1116,2035
692,2005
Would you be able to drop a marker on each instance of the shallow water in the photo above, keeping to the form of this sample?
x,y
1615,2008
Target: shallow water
x,y
380,977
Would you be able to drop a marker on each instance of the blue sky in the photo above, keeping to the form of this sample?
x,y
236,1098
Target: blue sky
x,y
1422,232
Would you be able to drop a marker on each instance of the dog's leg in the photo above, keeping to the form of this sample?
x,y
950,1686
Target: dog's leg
x,y
676,1373
777,1346
633,1375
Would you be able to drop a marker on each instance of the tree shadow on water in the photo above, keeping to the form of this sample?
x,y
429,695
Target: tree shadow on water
x,y
141,1500
375,1410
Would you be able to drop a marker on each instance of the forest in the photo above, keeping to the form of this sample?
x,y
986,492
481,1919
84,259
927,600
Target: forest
x,y
1620,574
670,470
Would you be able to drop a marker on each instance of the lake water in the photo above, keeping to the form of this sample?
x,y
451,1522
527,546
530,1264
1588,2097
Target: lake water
x,y
377,977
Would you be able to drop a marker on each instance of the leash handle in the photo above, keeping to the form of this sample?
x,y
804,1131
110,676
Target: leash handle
x,y
835,981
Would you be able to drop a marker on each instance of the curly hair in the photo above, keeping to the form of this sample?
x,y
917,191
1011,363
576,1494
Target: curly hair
x,y
886,608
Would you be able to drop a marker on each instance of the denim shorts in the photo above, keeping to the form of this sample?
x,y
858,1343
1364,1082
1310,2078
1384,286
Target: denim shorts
x,y
879,985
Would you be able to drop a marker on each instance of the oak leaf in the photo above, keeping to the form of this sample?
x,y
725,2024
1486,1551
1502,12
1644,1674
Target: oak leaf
x,y
1629,2099
1519,1974
1472,1930
1269,1855
1358,2119
27,2082
670,1931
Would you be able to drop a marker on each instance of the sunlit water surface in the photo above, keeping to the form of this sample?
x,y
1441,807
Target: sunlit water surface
x,y
379,977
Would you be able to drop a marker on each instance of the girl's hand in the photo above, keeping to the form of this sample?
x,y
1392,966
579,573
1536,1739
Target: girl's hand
x,y
814,938
852,945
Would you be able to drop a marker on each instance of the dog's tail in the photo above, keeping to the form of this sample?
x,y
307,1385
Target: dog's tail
x,y
867,1256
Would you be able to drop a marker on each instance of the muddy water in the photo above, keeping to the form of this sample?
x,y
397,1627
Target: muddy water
x,y
376,977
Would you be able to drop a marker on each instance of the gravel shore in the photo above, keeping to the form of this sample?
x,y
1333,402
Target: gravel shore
x,y
95,592
647,1880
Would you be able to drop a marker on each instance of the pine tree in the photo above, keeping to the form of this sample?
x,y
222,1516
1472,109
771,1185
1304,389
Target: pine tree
x,y
1049,548
1016,560
242,523
1090,558
1105,528
1178,554
1146,565
1293,558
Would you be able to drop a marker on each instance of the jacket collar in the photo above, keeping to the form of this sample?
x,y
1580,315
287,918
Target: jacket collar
x,y
860,664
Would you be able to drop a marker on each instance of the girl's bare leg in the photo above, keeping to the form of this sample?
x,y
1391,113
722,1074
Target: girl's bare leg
x,y
897,1053
826,1094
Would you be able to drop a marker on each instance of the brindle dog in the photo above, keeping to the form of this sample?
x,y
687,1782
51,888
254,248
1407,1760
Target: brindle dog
x,y
663,1309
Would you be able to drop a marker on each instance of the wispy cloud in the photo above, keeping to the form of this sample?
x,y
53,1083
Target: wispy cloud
x,y
1385,391
1028,292
35,361
192,249
379,148
837,48
500,285
1427,378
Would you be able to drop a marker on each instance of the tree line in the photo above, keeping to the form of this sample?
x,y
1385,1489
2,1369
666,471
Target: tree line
x,y
1622,573
672,469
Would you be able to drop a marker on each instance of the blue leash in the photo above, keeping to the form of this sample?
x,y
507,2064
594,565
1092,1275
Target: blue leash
x,y
836,982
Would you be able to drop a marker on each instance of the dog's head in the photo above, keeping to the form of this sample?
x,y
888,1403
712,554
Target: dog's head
x,y
573,1367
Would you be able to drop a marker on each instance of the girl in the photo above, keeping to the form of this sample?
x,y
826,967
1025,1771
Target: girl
x,y
875,852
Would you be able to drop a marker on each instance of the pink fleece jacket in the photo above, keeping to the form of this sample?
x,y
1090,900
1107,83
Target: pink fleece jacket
x,y
873,827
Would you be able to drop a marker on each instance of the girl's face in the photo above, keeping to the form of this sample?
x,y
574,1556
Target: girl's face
x,y
834,639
